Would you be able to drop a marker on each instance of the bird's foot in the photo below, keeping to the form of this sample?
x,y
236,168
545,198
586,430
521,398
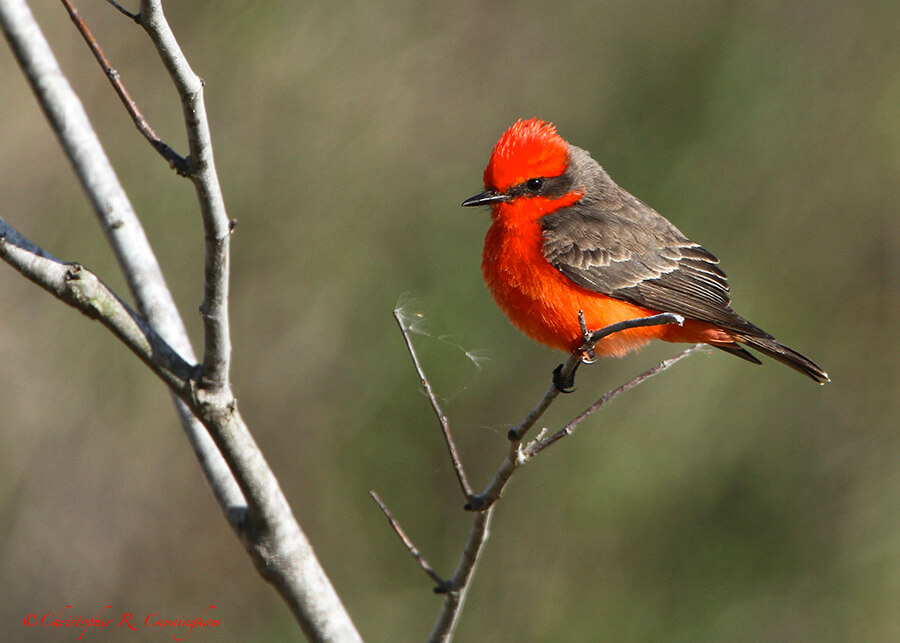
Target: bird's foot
x,y
587,347
563,383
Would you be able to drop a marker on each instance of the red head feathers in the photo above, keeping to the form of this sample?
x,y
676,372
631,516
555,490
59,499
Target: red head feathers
x,y
530,148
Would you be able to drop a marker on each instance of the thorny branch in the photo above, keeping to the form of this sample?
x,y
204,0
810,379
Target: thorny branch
x,y
482,505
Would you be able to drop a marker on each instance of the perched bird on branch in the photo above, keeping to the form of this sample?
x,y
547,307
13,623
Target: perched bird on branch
x,y
565,239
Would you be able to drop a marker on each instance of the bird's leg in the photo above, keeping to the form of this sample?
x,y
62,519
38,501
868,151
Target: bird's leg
x,y
587,347
564,374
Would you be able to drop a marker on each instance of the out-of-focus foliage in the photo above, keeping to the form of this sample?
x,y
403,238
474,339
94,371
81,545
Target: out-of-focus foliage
x,y
720,501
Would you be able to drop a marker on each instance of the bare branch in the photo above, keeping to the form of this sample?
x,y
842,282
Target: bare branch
x,y
455,597
217,228
565,371
175,160
113,209
82,289
661,319
564,375
270,533
484,503
441,584
98,179
134,16
442,419
233,464
541,443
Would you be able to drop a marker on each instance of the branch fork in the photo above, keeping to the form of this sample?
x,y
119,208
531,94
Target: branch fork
x,y
246,489
518,453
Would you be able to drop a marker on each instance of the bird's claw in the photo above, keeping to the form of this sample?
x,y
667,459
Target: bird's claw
x,y
587,348
563,383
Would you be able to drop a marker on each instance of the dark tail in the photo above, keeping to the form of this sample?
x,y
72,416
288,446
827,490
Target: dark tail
x,y
785,355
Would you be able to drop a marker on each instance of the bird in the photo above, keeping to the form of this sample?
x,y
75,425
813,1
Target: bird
x,y
568,249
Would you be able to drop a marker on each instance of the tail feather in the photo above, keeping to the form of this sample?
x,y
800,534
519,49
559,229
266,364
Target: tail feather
x,y
788,356
738,351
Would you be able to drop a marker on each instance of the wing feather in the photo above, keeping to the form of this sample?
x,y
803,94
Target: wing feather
x,y
624,249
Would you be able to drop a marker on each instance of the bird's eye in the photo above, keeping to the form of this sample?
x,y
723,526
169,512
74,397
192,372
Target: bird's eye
x,y
534,184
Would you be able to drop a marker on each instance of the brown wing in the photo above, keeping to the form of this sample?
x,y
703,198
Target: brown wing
x,y
623,248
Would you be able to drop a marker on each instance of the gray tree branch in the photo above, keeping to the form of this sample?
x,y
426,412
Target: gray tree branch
x,y
202,172
115,214
235,468
83,290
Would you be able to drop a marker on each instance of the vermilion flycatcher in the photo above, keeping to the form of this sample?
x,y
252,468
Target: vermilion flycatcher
x,y
565,238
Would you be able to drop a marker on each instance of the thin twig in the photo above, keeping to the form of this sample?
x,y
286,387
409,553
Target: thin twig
x,y
517,455
661,319
175,160
441,584
455,597
541,443
442,418
484,503
566,372
134,16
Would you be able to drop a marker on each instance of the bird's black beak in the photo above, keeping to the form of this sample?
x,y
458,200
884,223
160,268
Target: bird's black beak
x,y
485,198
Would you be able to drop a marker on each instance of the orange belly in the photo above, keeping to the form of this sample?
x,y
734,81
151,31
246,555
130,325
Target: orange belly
x,y
544,304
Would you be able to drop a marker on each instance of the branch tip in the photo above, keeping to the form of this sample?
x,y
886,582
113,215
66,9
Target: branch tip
x,y
436,407
541,443
134,16
176,162
441,584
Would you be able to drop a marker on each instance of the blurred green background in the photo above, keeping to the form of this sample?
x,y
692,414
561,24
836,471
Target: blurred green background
x,y
718,502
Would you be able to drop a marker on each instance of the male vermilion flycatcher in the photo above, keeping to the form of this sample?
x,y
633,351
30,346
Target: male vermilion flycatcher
x,y
565,238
